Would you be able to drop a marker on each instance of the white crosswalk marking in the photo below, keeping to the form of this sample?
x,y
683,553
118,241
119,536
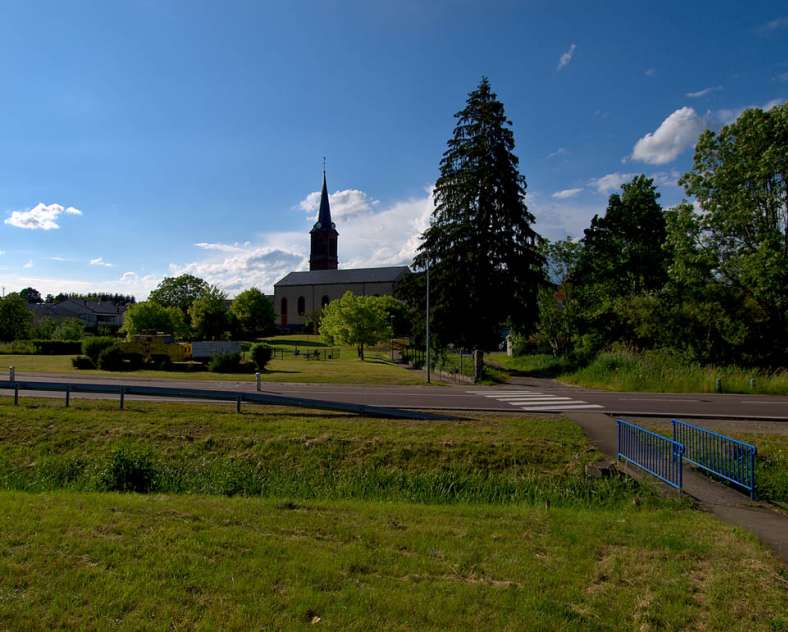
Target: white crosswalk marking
x,y
536,401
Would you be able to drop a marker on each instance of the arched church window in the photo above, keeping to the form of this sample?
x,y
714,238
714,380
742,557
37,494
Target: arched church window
x,y
324,301
283,311
301,305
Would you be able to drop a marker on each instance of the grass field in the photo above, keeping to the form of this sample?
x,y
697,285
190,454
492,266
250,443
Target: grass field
x,y
376,369
648,372
283,452
133,562
289,519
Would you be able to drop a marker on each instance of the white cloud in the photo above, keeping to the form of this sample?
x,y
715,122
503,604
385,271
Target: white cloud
x,y
255,266
2,252
558,152
704,92
774,25
610,182
28,264
41,216
613,181
566,193
650,72
560,219
343,203
221,247
727,116
566,57
99,261
675,134
57,259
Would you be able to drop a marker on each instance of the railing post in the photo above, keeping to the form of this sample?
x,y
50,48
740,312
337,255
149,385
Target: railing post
x,y
238,404
11,374
68,394
122,397
258,379
16,395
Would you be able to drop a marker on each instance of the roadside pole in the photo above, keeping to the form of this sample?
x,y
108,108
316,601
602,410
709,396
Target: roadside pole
x,y
428,321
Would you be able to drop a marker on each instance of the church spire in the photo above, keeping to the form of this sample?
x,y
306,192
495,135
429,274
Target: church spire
x,y
324,216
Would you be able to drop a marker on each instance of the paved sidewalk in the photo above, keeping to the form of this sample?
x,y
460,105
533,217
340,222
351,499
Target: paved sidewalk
x,y
769,524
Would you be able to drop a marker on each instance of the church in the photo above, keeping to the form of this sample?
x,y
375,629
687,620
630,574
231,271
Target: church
x,y
301,294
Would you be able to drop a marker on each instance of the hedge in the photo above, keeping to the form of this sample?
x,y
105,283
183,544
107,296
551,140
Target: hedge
x,y
38,346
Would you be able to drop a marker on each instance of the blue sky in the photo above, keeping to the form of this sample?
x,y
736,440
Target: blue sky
x,y
143,139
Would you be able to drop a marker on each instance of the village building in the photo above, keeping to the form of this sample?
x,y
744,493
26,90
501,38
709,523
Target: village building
x,y
299,296
93,314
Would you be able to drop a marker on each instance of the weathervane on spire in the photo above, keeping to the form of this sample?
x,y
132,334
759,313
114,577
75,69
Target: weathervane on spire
x,y
324,165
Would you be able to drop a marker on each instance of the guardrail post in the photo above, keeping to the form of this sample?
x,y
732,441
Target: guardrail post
x,y
68,394
258,379
122,397
11,374
16,395
718,385
238,404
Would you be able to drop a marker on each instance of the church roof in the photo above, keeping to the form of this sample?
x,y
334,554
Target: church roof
x,y
344,277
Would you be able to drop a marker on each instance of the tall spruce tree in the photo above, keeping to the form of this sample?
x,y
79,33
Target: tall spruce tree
x,y
485,266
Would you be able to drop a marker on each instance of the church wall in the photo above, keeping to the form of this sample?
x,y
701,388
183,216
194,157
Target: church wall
x,y
313,295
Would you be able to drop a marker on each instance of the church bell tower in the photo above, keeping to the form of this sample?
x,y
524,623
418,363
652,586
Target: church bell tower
x,y
323,251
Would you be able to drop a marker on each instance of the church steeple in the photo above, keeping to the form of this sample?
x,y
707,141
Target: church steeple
x,y
323,251
324,216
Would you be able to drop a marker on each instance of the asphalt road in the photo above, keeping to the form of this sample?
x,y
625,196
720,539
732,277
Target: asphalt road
x,y
525,395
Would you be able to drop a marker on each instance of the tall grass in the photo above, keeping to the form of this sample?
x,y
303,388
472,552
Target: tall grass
x,y
666,372
142,468
661,371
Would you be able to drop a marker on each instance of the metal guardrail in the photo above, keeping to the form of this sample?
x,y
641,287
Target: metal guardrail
x,y
651,452
723,456
122,390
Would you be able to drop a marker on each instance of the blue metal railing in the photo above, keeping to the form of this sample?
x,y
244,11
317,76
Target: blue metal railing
x,y
723,456
652,452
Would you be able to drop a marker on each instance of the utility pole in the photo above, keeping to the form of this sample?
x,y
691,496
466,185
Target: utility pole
x,y
428,321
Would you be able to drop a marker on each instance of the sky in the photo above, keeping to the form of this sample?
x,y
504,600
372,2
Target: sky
x,y
144,139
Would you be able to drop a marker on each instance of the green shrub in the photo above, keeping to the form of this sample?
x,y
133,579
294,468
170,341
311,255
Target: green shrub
x,y
56,347
93,346
229,363
261,355
18,347
225,363
71,329
112,359
134,361
83,362
160,362
130,469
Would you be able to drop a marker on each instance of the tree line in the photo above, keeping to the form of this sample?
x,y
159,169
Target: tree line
x,y
707,278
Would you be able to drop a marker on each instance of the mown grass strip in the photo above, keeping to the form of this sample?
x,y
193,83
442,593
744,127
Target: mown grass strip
x,y
132,562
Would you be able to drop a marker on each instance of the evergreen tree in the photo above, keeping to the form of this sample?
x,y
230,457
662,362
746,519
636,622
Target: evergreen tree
x,y
485,267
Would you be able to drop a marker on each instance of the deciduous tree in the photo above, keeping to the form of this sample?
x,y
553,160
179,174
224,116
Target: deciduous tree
x,y
180,292
16,319
209,314
355,320
254,312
